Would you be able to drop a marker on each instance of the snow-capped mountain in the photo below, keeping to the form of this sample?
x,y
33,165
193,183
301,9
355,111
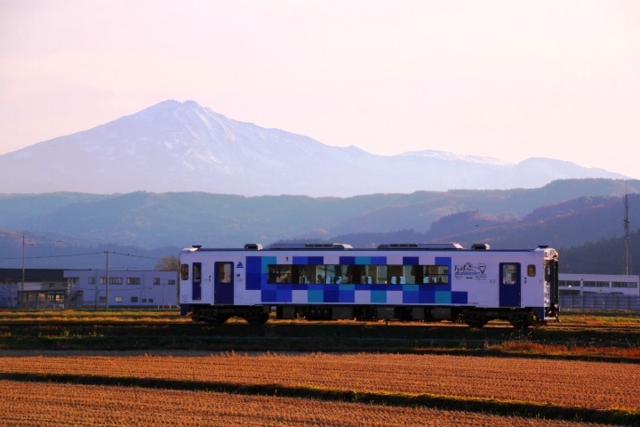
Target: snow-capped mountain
x,y
175,146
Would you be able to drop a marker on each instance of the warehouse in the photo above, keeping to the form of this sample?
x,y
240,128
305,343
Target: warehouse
x,y
122,288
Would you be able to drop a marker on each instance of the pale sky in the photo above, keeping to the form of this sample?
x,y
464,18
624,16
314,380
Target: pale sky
x,y
505,79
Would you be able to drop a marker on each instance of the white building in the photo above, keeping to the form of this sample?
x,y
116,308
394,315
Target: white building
x,y
125,288
588,284
33,288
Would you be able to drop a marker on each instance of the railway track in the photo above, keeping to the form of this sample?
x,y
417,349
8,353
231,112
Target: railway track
x,y
588,326
340,336
55,323
302,323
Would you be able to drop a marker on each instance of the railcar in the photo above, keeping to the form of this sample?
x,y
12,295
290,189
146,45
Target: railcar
x,y
411,282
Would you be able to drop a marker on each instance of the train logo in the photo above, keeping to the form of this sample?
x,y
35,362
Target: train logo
x,y
470,271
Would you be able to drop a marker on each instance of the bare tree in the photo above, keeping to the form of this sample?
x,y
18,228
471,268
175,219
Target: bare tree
x,y
168,263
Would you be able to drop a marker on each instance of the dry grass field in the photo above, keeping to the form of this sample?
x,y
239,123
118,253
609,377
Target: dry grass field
x,y
593,385
183,388
551,377
46,404
7,315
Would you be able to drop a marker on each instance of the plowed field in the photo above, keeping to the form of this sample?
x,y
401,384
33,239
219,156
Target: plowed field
x,y
563,383
44,404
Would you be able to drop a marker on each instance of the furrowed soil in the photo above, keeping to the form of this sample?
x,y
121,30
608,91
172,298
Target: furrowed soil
x,y
46,404
531,388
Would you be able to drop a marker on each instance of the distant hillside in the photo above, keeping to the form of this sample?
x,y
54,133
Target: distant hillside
x,y
181,219
569,223
560,225
45,252
419,210
605,256
562,214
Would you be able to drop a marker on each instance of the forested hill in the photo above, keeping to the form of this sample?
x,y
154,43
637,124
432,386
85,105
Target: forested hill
x,y
605,256
565,224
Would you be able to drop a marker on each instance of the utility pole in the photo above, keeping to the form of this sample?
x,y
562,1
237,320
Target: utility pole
x,y
22,285
627,239
107,279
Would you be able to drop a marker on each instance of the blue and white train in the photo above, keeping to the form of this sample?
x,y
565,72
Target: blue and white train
x,y
417,282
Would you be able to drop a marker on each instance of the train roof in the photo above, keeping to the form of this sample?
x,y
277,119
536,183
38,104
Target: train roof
x,y
382,247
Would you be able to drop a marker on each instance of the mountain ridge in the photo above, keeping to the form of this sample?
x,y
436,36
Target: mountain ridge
x,y
178,147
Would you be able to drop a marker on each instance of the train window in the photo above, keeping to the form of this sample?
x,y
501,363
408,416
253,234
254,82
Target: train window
x,y
352,274
321,274
316,274
547,272
531,270
299,274
433,275
381,275
409,274
443,274
184,272
509,274
355,274
281,273
196,272
223,272
312,273
368,274
394,274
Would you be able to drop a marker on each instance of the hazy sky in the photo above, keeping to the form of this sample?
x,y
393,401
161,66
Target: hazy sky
x,y
506,79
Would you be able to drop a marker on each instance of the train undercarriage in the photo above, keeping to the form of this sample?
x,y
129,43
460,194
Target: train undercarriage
x,y
475,317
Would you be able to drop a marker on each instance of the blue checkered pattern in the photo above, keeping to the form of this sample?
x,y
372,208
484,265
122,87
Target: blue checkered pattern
x,y
256,279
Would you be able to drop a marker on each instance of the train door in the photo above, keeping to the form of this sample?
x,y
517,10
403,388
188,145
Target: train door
x,y
551,277
196,282
510,285
223,283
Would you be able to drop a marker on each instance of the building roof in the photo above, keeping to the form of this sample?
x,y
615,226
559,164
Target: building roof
x,y
14,275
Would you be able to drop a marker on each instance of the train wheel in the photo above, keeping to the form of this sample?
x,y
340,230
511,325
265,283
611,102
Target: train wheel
x,y
474,318
221,319
520,325
257,319
476,324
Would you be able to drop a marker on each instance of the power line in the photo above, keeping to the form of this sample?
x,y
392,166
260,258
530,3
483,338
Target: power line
x,y
75,255
53,256
134,256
